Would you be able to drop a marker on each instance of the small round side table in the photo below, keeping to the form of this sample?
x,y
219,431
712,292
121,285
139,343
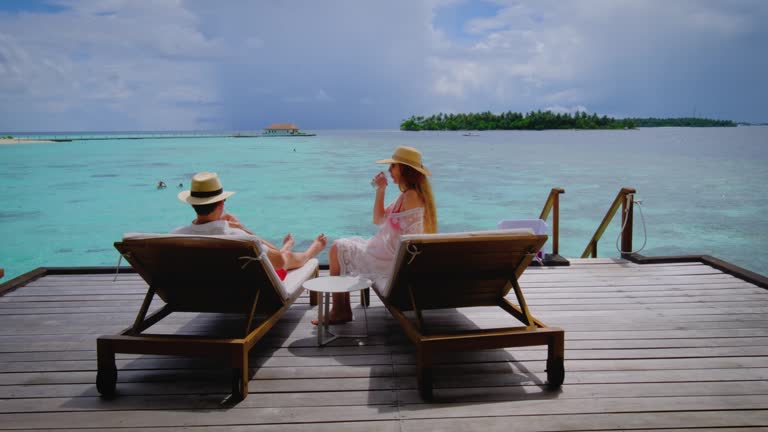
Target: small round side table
x,y
334,284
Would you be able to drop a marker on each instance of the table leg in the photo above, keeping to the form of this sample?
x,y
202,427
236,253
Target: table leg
x,y
320,318
323,318
365,311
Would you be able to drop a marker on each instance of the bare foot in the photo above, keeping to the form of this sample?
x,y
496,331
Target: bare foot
x,y
334,319
317,245
287,243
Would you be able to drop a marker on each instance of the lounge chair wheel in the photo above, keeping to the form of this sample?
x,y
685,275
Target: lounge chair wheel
x,y
238,386
106,381
555,373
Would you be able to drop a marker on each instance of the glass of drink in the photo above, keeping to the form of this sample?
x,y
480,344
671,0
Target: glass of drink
x,y
373,181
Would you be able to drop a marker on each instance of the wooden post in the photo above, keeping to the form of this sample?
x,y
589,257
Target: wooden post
x,y
621,198
553,203
627,207
556,225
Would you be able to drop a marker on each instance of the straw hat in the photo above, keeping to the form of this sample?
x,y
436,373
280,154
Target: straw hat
x,y
205,189
407,156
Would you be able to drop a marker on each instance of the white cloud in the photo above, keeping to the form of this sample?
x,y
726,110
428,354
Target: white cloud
x,y
620,55
193,64
138,64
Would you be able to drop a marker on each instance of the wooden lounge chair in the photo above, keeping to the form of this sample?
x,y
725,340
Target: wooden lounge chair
x,y
439,271
221,274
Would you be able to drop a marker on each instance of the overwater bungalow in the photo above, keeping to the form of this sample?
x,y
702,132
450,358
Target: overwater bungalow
x,y
651,343
283,129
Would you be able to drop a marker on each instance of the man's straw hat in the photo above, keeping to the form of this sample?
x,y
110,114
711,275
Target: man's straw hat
x,y
205,189
407,156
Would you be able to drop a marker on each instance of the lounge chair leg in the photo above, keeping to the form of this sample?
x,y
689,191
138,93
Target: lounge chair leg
x,y
365,297
239,384
424,373
249,318
240,375
556,361
137,324
313,298
106,375
523,305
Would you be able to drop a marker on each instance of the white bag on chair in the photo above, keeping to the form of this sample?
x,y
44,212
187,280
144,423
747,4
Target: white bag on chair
x,y
537,225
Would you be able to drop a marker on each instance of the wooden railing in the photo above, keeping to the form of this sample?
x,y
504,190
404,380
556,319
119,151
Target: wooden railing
x,y
553,204
625,199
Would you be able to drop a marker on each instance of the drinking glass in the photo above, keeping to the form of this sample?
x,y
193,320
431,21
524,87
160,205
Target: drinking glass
x,y
373,181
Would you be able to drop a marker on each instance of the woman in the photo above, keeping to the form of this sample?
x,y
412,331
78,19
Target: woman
x,y
412,212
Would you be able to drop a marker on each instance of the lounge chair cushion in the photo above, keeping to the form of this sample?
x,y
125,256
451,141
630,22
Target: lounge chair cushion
x,y
382,285
292,282
296,277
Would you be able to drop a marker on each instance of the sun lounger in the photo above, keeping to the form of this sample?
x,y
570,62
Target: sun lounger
x,y
219,274
441,271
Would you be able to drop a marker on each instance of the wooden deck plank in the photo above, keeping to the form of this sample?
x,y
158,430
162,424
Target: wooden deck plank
x,y
373,426
597,345
594,422
82,397
657,346
258,416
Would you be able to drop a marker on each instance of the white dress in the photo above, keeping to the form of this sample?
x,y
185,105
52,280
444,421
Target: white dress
x,y
373,258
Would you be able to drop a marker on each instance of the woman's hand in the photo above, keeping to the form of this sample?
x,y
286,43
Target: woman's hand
x,y
379,181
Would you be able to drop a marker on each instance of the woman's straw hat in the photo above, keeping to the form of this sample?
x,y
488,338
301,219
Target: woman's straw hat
x,y
206,189
407,156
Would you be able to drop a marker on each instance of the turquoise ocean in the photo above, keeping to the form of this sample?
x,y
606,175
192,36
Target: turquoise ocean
x,y
66,203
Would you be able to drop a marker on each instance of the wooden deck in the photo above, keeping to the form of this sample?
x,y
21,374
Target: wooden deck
x,y
648,347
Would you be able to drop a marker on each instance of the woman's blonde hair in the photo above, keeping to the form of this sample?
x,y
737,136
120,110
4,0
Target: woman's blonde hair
x,y
412,179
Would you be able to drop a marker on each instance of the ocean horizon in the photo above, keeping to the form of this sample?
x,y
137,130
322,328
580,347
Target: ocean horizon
x,y
69,201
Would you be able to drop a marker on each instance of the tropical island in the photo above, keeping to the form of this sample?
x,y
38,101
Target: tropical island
x,y
541,120
682,122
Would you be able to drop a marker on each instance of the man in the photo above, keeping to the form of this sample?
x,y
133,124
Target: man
x,y
207,196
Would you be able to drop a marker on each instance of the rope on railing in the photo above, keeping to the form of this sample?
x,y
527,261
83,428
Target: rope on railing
x,y
624,224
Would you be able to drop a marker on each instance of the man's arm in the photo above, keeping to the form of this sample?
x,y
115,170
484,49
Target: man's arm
x,y
234,222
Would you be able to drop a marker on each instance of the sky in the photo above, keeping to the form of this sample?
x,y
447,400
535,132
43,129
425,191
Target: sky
x,y
237,65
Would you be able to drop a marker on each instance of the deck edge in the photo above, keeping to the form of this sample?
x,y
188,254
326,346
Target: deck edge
x,y
717,263
26,278
722,265
21,280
